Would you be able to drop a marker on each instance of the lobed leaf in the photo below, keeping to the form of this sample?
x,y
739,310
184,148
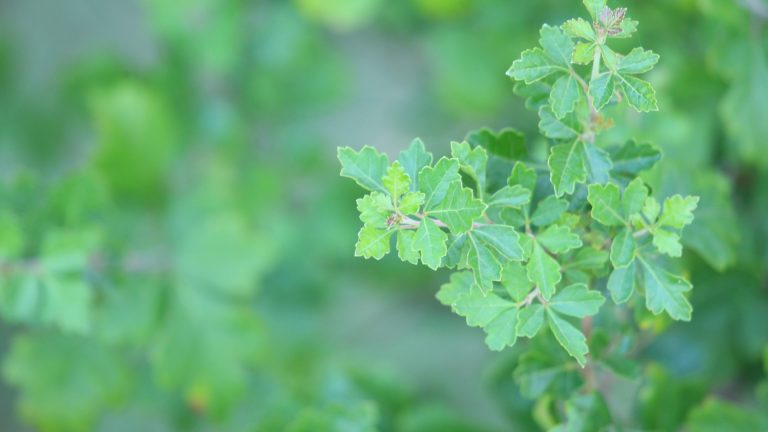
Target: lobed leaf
x,y
365,167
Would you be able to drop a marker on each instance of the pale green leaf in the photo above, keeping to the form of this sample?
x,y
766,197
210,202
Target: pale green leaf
x,y
533,65
634,197
594,7
365,167
523,176
413,159
544,271
551,127
480,309
632,158
556,44
457,252
431,241
579,28
396,181
373,242
623,248
458,209
566,165
637,61
558,239
548,210
610,58
510,196
639,94
434,181
584,52
667,242
564,96
568,336
577,301
484,264
473,161
410,203
621,283
375,208
678,211
606,204
666,292
502,331
529,320
628,26
597,163
504,239
459,285
601,89
406,249
651,209
515,280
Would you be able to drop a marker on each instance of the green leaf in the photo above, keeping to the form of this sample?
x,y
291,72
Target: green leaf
x,y
67,303
529,320
556,44
566,165
551,127
457,252
458,209
564,96
532,66
621,283
633,158
584,53
634,197
485,266
594,7
472,161
665,292
558,239
640,94
628,26
651,209
601,88
577,301
503,238
501,332
568,336
543,271
458,286
434,181
667,242
523,176
597,163
480,309
678,211
606,204
373,242
396,181
510,196
430,241
585,413
623,248
406,248
637,61
413,160
411,202
610,58
515,280
579,28
545,367
717,416
548,210
365,167
375,208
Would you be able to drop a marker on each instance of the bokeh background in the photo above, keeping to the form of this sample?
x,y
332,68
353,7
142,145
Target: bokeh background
x,y
176,246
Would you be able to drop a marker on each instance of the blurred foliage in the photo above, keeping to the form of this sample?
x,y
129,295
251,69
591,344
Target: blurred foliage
x,y
174,236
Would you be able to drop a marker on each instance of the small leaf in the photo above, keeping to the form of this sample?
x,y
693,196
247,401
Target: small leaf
x,y
411,202
628,26
501,332
651,209
472,161
503,238
606,204
579,28
564,96
666,292
577,301
430,241
365,167
434,181
637,61
610,58
556,44
621,283
548,210
597,163
543,271
601,89
623,248
558,239
406,250
551,127
413,160
568,336
485,266
634,197
594,7
532,66
396,181
667,242
529,320
373,242
523,176
515,281
584,53
640,94
566,165
480,309
375,208
457,252
458,209
510,196
632,158
678,211
458,286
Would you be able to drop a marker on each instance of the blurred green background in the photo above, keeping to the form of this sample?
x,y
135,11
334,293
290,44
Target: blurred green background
x,y
176,244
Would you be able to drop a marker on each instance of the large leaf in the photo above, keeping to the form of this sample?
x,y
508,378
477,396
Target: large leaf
x,y
365,167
